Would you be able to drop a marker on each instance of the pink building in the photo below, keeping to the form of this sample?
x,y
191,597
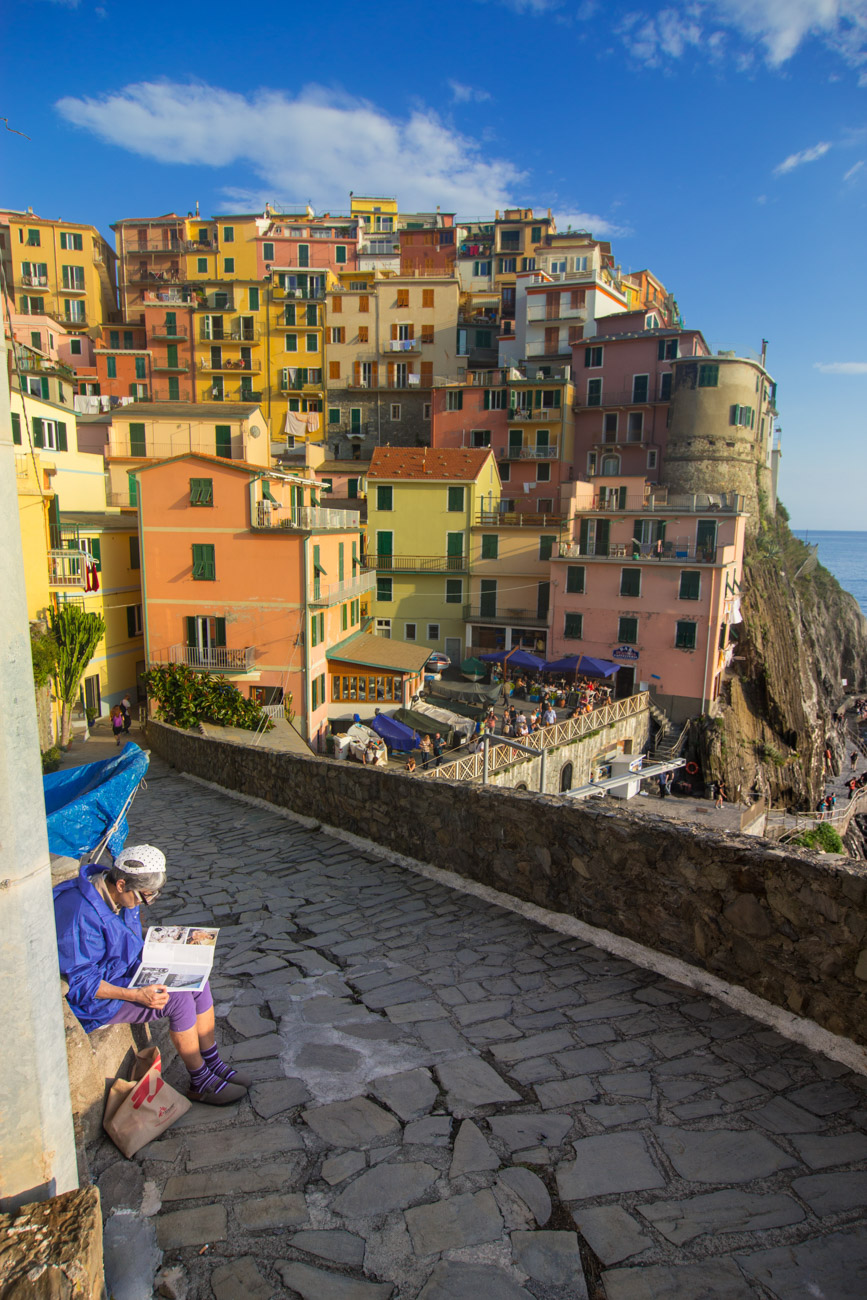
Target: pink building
x,y
298,242
623,388
650,579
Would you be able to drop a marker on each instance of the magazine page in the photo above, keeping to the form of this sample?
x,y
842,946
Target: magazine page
x,y
189,945
177,979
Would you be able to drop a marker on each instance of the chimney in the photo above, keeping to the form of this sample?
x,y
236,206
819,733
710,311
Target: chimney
x,y
197,207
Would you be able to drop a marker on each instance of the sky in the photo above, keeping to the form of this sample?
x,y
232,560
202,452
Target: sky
x,y
720,143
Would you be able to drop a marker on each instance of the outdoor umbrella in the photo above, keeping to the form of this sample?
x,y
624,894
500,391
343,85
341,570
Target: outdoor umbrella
x,y
569,664
515,659
597,667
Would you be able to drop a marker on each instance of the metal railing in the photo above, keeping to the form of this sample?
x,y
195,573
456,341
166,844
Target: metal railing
x,y
549,452
216,659
170,295
168,332
304,517
120,499
519,519
25,363
470,767
403,345
34,281
233,334
416,563
252,367
618,396
67,568
669,503
670,552
121,446
332,593
503,614
784,826
546,313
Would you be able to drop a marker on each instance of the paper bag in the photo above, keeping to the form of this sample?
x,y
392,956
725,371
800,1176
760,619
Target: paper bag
x,y
141,1109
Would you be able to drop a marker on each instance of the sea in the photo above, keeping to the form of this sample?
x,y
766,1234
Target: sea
x,y
844,555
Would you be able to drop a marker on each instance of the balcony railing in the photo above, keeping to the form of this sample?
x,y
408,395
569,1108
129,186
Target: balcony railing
x,y
179,368
217,659
561,312
404,345
168,332
618,397
120,447
672,552
519,519
332,593
154,246
183,395
142,275
505,615
538,413
213,302
67,568
304,517
120,499
27,364
251,367
233,334
548,452
417,563
34,281
170,295
669,503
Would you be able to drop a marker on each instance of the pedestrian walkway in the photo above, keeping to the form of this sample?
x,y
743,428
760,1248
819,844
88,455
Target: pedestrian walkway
x,y
454,1102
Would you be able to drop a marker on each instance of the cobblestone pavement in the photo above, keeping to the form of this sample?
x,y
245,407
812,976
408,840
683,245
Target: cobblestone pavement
x,y
453,1101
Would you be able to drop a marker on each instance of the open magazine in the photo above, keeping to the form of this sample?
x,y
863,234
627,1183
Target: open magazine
x,y
179,956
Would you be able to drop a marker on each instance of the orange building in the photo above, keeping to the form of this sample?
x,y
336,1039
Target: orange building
x,y
244,574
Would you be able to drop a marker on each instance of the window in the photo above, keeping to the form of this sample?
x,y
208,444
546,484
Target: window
x,y
201,492
134,556
363,334
33,239
482,269
137,444
510,239
202,265
16,428
433,631
73,277
340,253
141,363
490,546
311,314
229,238
536,235
253,299
409,631
383,589
667,350
402,298
425,411
229,265
665,387
337,334
609,427
384,497
454,591
573,625
592,357
456,499
685,635
334,415
708,376
71,242
204,564
481,437
744,416
312,342
508,265
546,546
427,297
395,410
627,630
291,342
73,310
594,392
545,505
558,266
528,263
133,617
455,399
75,347
543,473
364,302
427,333
575,579
635,426
630,582
651,459
223,440
690,584
640,387
111,367
333,369
495,399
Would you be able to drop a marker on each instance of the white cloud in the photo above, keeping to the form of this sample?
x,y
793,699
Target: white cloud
x,y
599,227
853,171
463,94
841,367
317,144
804,156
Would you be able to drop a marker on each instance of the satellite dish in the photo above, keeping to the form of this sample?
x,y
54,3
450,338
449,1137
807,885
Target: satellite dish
x,y
255,431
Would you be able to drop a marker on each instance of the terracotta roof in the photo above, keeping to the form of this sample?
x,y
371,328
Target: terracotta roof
x,y
222,461
433,463
381,652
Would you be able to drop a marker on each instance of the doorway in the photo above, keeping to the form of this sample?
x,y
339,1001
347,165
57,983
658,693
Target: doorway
x,y
624,683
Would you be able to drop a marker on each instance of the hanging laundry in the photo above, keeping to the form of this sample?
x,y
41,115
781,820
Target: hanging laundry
x,y
296,424
312,421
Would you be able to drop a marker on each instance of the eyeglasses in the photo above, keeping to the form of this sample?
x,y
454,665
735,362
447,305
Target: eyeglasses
x,y
147,896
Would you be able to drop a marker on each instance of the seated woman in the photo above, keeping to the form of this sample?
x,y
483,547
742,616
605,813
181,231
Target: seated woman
x,y
99,941
410,764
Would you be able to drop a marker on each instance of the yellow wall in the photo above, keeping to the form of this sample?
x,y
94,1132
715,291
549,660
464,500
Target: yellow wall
x,y
95,258
117,654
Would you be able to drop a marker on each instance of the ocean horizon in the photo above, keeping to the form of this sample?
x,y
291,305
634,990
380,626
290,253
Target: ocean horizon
x,y
844,554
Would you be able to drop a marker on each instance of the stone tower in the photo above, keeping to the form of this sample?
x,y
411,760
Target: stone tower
x,y
721,429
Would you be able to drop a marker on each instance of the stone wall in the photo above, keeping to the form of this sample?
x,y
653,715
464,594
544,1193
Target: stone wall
x,y
788,926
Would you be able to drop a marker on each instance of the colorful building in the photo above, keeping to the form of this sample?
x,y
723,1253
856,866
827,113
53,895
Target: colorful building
x,y
244,576
650,579
60,269
421,506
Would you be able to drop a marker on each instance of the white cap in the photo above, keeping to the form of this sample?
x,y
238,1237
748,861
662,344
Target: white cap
x,y
141,860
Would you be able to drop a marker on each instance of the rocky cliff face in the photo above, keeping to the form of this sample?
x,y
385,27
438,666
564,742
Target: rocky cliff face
x,y
802,635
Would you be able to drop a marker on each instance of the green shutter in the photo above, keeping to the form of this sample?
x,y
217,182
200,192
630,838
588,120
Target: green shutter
x,y
38,432
584,535
490,546
575,579
546,546
456,498
220,632
96,551
61,436
132,484
43,385
204,563
191,631
134,555
224,440
340,562
137,442
201,492
130,621
16,428
254,299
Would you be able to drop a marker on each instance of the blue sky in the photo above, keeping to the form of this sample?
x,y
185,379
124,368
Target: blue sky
x,y
722,143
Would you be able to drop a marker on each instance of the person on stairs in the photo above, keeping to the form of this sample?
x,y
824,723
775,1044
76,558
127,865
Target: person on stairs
x,y
99,941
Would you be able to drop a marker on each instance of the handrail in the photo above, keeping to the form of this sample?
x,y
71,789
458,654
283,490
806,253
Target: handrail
x,y
808,820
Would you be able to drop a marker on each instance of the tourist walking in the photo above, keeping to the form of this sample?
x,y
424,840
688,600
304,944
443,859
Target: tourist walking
x,y
719,793
663,787
126,707
853,760
426,752
116,716
437,746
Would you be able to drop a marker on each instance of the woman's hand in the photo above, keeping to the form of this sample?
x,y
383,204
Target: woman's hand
x,y
152,995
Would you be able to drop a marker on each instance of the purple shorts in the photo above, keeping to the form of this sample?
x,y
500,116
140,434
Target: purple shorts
x,y
181,1009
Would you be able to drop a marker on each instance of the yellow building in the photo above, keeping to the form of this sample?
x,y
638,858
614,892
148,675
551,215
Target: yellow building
x,y
421,506
509,584
61,269
380,215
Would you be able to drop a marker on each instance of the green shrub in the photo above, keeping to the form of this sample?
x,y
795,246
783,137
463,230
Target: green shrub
x,y
51,759
770,754
43,651
185,698
822,837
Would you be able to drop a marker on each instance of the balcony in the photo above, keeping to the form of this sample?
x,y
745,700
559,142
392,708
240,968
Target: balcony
x,y
30,365
250,367
299,386
669,503
168,332
485,316
66,568
169,296
540,413
217,659
121,447
403,345
332,593
141,275
562,312
669,552
304,295
617,397
173,245
163,395
215,302
549,452
33,281
235,334
303,518
518,519
120,500
417,563
504,615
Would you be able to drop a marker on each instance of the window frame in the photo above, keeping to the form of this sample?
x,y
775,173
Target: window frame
x,y
694,574
384,493
201,492
459,506
680,639
576,589
204,562
627,636
572,620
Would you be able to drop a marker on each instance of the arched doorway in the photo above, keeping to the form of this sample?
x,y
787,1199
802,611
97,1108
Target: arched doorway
x,y
565,778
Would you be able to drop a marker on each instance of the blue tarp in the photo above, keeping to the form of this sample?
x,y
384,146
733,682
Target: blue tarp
x,y
81,803
395,734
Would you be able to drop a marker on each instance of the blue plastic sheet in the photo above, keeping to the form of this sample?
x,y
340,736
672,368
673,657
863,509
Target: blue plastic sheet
x,y
395,734
81,803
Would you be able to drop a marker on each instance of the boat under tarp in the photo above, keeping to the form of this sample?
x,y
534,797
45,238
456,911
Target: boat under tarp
x,y
360,737
397,735
456,722
474,693
85,804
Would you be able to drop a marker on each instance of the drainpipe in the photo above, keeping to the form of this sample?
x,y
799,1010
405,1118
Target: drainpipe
x,y
543,763
704,691
36,1133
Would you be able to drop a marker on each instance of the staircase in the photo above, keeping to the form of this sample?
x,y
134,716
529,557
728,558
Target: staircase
x,y
668,741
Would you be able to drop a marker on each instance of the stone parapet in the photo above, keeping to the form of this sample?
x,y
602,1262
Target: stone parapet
x,y
50,1250
789,926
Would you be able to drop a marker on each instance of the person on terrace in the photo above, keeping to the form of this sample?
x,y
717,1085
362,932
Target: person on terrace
x,y
100,943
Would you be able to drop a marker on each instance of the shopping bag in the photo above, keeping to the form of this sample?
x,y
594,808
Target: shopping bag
x,y
140,1109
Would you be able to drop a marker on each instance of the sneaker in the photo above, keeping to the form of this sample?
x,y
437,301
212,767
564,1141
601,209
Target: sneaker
x,y
239,1078
229,1093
